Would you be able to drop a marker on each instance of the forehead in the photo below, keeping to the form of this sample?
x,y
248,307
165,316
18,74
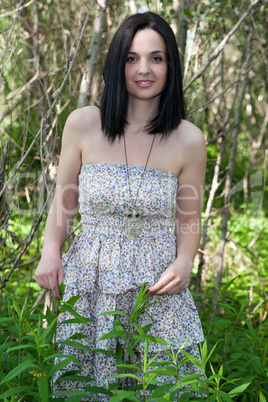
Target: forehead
x,y
147,40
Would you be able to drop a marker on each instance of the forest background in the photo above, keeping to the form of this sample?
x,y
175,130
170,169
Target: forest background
x,y
52,52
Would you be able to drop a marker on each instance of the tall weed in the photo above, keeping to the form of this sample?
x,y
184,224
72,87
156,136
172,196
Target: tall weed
x,y
233,366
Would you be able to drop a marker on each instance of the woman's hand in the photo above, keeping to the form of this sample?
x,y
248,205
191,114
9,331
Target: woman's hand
x,y
174,279
49,274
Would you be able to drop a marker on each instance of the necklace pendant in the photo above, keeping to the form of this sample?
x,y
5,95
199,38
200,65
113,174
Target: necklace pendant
x,y
133,216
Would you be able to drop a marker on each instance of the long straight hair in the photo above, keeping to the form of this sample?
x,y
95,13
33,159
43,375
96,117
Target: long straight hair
x,y
114,102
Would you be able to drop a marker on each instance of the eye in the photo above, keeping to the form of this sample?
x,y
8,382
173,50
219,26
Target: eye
x,y
157,59
131,59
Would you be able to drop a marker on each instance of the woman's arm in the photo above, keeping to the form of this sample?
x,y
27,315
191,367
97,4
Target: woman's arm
x,y
49,273
188,211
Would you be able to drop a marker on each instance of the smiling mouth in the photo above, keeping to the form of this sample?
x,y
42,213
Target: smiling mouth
x,y
144,82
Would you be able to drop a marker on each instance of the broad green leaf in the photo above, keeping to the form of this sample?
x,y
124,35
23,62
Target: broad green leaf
x,y
6,319
147,327
26,365
75,398
159,399
60,356
17,309
111,334
163,371
78,335
187,380
226,287
77,320
43,388
7,345
146,346
105,351
124,395
238,390
222,394
48,330
20,347
193,360
156,339
160,391
262,397
153,359
61,365
212,350
150,376
140,330
16,391
74,313
204,351
130,352
130,366
125,375
115,313
73,300
74,344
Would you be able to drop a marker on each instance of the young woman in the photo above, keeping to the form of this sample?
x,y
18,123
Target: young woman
x,y
127,162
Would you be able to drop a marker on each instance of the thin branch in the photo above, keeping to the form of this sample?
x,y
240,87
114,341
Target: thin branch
x,y
242,76
9,5
221,46
58,93
19,9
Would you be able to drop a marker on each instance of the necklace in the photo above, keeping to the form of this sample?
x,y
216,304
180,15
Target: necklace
x,y
133,213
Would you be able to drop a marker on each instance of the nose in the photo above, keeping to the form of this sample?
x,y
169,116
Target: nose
x,y
144,67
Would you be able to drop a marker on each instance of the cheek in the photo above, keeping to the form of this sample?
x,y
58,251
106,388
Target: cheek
x,y
164,72
128,71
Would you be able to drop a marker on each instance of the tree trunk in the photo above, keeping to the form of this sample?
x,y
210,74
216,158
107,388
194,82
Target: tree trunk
x,y
214,187
229,177
180,26
92,56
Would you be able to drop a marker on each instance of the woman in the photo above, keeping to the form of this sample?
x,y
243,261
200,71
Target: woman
x,y
131,159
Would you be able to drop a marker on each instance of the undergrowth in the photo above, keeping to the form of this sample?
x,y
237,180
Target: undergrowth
x,y
233,356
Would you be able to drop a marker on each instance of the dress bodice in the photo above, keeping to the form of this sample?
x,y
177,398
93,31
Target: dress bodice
x,y
104,197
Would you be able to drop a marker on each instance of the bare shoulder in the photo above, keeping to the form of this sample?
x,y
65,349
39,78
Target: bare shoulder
x,y
189,134
82,120
78,130
191,141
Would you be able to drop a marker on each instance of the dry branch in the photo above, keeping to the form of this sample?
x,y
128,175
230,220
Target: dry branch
x,y
48,114
221,46
86,84
229,177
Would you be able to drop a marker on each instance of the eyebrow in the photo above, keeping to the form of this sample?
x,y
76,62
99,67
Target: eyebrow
x,y
154,52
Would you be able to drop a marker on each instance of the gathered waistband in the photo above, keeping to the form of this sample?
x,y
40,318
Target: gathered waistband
x,y
117,225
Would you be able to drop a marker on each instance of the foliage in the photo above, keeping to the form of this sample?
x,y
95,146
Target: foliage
x,y
37,45
28,351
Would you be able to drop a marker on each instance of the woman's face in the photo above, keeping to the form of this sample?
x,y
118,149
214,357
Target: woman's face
x,y
146,65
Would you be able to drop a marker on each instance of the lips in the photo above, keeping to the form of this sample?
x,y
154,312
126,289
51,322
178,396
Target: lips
x,y
144,83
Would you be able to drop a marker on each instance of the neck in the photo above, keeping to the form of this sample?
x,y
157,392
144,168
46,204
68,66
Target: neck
x,y
141,112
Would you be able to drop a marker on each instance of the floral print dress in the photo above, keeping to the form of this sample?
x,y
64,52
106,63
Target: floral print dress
x,y
107,268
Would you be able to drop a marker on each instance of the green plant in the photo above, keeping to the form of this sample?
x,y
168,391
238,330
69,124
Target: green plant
x,y
228,372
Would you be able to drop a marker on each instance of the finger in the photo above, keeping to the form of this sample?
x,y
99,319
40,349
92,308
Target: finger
x,y
53,283
168,289
163,281
60,277
41,282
